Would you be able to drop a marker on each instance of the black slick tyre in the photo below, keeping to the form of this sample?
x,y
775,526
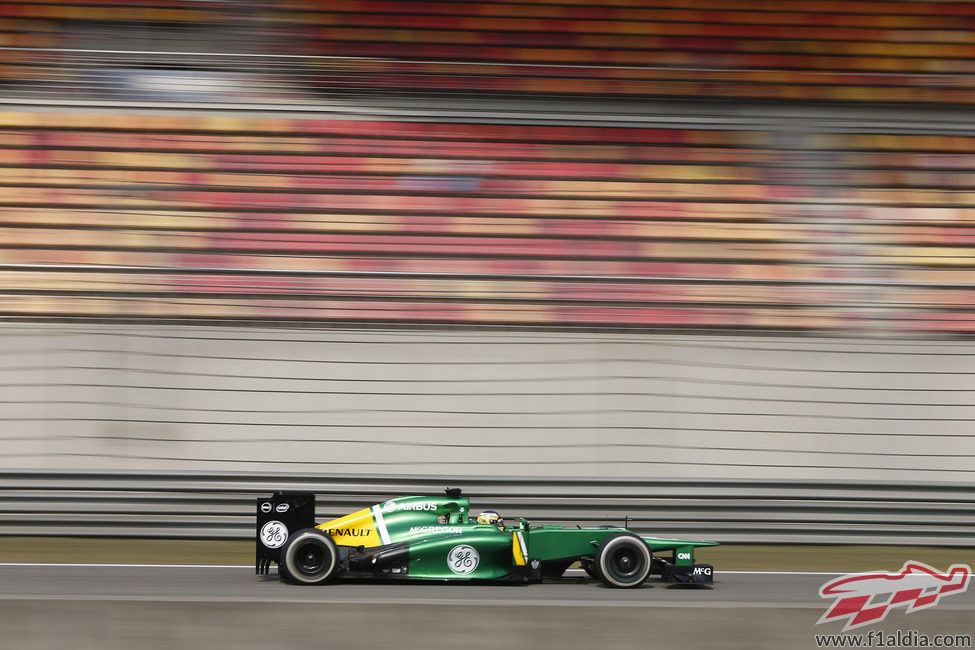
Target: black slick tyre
x,y
284,575
309,557
623,561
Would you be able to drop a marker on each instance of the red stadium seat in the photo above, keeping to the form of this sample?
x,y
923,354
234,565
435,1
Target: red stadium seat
x,y
333,220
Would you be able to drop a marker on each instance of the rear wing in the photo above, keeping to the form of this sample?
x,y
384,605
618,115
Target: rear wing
x,y
278,517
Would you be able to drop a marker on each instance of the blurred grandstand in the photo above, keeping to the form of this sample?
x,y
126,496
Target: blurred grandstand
x,y
807,50
111,210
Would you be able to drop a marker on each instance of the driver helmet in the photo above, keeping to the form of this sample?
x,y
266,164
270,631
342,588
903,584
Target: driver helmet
x,y
490,517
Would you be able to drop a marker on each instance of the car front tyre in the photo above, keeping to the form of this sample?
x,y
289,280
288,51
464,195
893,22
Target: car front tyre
x,y
309,557
623,561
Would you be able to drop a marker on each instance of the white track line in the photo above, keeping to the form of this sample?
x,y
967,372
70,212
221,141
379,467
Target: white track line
x,y
248,566
130,566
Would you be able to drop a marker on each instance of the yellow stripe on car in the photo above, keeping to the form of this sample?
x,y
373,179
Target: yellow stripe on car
x,y
517,550
357,529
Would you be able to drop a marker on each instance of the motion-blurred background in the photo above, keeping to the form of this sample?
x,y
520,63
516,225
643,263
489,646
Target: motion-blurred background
x,y
704,263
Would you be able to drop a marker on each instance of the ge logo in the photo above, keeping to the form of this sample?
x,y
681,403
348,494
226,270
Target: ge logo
x,y
463,559
274,534
389,506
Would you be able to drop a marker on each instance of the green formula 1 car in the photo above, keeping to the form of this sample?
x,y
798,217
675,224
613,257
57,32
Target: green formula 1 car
x,y
438,538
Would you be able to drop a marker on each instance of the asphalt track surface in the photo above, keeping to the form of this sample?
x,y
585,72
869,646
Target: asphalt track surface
x,y
120,607
229,584
240,584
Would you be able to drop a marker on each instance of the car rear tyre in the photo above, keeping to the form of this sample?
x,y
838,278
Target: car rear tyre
x,y
623,561
309,557
284,575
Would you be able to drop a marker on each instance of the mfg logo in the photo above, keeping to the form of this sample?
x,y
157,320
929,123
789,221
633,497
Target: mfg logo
x,y
866,598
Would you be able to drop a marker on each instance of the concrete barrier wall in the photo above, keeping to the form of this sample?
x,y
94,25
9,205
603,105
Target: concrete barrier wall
x,y
222,505
100,397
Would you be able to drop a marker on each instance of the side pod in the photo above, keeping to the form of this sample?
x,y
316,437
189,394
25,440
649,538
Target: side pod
x,y
278,516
